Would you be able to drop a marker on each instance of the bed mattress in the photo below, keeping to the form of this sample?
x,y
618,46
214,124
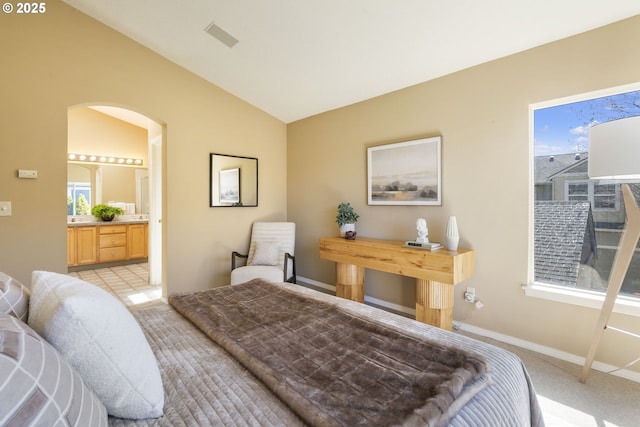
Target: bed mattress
x,y
205,385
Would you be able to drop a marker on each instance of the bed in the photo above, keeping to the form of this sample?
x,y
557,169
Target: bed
x,y
208,377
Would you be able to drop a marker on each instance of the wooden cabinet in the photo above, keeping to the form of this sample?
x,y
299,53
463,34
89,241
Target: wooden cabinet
x,y
71,246
82,245
106,243
113,243
137,240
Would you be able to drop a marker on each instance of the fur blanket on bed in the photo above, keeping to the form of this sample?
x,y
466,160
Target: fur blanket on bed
x,y
333,368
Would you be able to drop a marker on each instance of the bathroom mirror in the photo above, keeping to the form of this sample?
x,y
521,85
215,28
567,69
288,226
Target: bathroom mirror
x,y
233,181
105,183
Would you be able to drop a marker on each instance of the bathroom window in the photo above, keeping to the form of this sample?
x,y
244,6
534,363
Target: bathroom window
x,y
78,198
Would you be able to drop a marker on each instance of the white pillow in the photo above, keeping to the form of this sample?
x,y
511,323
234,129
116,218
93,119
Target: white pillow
x,y
264,253
100,338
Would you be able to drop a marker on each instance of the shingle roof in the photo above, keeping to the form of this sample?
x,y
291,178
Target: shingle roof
x,y
564,238
545,168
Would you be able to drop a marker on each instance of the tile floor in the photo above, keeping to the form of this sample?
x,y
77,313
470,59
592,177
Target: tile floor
x,y
130,282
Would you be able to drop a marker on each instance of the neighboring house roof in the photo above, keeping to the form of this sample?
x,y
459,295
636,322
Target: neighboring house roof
x,y
545,168
565,237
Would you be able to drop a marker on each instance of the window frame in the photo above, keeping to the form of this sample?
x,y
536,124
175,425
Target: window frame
x,y
574,296
72,190
591,193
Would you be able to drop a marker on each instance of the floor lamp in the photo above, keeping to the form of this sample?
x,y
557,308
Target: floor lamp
x,y
614,153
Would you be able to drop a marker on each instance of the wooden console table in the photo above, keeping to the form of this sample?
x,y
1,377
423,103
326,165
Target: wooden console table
x,y
435,271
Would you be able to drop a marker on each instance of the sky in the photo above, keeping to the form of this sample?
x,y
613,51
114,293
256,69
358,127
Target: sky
x,y
564,129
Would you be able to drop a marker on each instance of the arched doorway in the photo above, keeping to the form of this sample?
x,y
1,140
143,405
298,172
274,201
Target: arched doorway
x,y
131,145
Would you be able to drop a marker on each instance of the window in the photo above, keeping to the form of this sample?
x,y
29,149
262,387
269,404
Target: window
x,y
578,221
601,196
78,198
578,191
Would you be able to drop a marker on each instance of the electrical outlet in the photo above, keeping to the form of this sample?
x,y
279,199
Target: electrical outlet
x,y
470,294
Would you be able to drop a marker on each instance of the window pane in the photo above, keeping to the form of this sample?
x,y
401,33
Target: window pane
x,y
578,189
78,198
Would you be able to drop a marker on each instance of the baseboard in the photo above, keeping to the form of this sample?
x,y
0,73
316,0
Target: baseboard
x,y
396,308
548,351
527,345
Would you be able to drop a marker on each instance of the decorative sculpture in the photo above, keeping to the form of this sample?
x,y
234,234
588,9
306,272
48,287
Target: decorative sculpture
x,y
423,231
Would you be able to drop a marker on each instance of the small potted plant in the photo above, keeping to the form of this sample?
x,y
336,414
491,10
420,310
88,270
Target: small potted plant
x,y
106,212
346,219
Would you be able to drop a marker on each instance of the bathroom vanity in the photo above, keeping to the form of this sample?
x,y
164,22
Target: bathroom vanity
x,y
98,242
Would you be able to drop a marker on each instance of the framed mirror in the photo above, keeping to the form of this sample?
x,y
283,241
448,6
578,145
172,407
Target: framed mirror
x,y
233,181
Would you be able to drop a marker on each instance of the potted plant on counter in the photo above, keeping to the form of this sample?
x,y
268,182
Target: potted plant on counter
x,y
106,212
346,219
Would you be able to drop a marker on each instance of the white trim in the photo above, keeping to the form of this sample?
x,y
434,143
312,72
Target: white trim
x,y
381,303
548,351
582,297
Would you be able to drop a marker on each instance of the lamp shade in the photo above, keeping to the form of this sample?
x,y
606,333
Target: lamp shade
x,y
614,149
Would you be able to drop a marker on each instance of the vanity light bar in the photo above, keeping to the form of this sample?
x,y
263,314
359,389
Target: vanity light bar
x,y
92,158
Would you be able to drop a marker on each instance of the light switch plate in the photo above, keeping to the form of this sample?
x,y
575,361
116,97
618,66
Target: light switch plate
x,y
5,208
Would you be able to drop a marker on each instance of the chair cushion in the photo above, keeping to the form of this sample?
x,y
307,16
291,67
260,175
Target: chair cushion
x,y
14,297
264,253
250,272
38,385
101,339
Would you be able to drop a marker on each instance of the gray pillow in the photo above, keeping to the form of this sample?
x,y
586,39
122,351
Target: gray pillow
x,y
38,386
14,297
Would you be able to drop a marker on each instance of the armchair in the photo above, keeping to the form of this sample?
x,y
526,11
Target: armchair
x,y
271,254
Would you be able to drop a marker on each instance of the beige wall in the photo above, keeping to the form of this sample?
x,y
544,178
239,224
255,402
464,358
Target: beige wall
x,y
92,132
482,115
63,59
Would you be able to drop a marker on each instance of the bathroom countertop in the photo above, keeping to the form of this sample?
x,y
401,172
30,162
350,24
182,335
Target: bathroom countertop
x,y
133,219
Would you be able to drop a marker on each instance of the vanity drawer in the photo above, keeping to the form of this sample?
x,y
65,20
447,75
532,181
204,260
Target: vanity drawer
x,y
113,254
111,229
113,240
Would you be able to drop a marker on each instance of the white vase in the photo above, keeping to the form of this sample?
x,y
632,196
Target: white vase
x,y
347,227
452,236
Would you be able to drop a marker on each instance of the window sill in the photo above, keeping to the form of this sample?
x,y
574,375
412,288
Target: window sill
x,y
582,297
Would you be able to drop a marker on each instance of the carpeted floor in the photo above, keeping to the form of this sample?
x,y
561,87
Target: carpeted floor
x,y
604,401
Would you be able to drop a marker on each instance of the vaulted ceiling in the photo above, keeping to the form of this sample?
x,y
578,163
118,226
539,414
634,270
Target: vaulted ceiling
x,y
297,58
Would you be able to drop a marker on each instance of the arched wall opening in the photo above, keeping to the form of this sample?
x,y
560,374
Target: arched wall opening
x,y
123,148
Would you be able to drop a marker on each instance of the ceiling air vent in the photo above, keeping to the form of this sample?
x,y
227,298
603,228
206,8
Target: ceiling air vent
x,y
221,35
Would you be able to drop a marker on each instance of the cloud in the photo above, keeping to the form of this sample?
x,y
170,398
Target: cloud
x,y
583,130
547,150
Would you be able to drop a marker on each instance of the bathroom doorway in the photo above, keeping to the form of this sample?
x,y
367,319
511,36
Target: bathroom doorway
x,y
124,149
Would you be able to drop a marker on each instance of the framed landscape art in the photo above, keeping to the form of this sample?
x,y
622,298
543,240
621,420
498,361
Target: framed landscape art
x,y
405,173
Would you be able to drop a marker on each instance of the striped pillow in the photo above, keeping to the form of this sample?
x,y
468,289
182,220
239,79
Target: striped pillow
x,y
37,386
14,297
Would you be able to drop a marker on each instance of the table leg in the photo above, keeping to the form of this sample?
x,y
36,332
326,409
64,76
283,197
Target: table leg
x,y
434,303
350,282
